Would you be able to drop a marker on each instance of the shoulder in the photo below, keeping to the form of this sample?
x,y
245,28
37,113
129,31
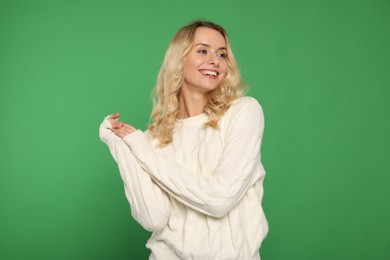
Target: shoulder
x,y
243,118
246,105
244,111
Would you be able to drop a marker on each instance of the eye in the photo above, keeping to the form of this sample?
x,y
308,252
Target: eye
x,y
202,51
222,55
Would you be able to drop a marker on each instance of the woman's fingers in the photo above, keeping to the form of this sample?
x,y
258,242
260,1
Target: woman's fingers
x,y
124,131
115,123
121,132
114,116
121,129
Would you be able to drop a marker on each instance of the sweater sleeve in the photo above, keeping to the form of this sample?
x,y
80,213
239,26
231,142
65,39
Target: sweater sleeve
x,y
237,170
149,204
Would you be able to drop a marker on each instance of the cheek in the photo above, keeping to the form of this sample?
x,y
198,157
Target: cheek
x,y
193,62
197,62
223,67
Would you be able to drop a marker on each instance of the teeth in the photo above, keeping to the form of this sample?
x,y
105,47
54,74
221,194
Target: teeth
x,y
209,72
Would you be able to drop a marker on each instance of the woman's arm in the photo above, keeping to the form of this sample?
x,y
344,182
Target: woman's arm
x,y
238,169
149,204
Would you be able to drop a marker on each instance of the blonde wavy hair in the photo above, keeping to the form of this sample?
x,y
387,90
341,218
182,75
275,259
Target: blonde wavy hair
x,y
171,77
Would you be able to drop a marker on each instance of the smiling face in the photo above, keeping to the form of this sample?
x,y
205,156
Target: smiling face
x,y
205,64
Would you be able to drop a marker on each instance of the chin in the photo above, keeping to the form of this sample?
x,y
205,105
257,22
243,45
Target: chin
x,y
209,89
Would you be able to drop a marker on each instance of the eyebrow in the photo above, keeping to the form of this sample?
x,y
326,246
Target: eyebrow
x,y
207,45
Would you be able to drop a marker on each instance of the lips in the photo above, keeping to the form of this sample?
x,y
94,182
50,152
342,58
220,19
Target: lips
x,y
210,73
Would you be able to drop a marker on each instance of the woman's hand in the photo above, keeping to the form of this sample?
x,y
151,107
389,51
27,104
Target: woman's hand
x,y
121,129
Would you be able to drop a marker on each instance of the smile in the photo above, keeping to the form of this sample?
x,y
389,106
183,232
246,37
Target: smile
x,y
210,73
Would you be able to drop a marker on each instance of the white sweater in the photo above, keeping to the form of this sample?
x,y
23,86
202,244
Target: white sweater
x,y
200,195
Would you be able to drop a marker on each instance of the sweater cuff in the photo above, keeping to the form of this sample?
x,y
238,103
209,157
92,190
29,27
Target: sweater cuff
x,y
138,142
105,132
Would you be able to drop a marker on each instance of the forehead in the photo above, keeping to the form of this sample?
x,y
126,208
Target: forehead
x,y
209,36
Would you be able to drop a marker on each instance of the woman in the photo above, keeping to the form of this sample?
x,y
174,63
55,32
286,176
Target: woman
x,y
195,178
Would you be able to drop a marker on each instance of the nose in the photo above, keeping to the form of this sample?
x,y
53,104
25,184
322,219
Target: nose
x,y
213,59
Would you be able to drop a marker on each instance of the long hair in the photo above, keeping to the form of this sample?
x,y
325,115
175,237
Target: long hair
x,y
171,77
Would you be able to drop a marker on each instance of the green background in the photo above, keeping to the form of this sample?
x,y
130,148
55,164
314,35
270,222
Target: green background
x,y
320,69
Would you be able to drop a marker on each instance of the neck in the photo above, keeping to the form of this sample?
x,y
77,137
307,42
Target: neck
x,y
191,105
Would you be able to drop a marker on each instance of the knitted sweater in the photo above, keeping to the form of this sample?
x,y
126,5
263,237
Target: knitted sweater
x,y
200,195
